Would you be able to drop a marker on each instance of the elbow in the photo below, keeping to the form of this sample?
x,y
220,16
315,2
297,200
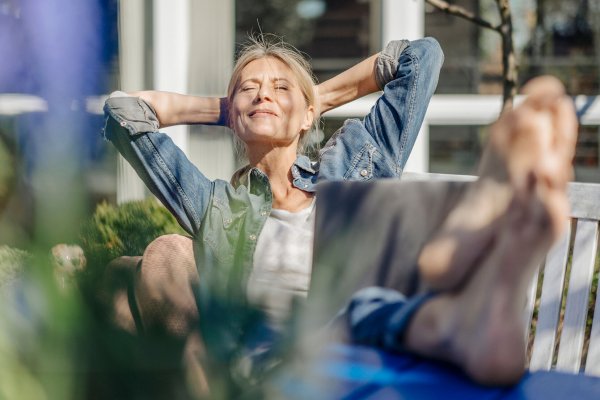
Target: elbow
x,y
432,54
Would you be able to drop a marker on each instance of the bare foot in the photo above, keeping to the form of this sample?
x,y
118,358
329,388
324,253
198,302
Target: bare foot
x,y
478,324
533,143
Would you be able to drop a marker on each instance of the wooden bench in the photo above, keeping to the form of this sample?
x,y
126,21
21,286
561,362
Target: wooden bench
x,y
571,265
561,297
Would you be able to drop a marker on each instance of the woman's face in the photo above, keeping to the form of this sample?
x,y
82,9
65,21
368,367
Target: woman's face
x,y
268,105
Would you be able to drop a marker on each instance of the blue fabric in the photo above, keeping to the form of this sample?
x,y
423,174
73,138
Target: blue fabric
x,y
353,372
376,316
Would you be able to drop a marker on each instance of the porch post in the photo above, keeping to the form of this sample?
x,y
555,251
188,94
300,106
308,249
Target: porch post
x,y
132,77
171,36
211,61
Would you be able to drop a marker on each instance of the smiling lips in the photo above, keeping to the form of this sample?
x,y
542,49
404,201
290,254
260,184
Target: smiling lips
x,y
262,113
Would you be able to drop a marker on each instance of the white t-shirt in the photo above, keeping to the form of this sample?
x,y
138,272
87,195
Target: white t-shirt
x,y
282,261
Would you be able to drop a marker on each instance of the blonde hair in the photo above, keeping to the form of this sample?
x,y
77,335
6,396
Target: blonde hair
x,y
262,46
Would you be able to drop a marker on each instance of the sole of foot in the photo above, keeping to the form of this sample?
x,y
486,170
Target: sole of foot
x,y
530,149
479,326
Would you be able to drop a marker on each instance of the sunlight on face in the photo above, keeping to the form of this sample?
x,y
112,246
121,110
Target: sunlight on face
x,y
268,106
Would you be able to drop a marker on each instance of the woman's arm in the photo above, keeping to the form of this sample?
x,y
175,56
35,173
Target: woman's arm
x,y
178,109
133,127
351,84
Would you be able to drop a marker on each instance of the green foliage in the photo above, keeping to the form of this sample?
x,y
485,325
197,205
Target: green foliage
x,y
12,263
125,230
6,173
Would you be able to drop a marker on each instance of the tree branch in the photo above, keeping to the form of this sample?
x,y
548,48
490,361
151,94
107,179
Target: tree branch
x,y
505,29
509,59
462,13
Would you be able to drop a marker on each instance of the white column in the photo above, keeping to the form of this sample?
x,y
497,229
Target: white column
x,y
171,36
406,20
211,63
403,19
132,74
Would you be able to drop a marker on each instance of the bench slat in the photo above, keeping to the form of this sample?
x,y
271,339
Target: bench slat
x,y
549,309
592,365
583,197
531,292
582,269
585,200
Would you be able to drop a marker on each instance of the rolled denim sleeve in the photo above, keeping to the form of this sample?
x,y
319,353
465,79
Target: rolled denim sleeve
x,y
132,127
408,71
132,113
386,64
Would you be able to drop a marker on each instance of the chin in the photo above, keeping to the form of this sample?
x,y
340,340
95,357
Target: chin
x,y
266,133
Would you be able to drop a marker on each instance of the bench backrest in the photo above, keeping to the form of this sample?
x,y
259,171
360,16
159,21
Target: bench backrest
x,y
563,309
564,338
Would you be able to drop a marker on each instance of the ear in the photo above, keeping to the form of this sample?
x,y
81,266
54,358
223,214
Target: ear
x,y
309,118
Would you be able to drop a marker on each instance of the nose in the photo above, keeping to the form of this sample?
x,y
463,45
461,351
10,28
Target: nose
x,y
264,93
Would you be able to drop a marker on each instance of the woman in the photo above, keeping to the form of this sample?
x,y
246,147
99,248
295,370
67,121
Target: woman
x,y
256,231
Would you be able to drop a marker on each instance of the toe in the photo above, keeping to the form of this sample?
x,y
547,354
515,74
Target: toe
x,y
543,89
566,127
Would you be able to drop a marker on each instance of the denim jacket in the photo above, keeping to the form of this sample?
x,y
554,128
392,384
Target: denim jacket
x,y
226,218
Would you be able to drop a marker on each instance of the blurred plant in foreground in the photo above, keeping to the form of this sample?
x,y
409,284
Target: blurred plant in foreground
x,y
40,332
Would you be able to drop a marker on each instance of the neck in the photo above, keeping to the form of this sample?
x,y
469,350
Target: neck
x,y
276,163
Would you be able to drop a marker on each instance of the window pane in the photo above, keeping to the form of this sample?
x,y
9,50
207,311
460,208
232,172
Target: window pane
x,y
550,36
587,164
334,33
455,149
461,72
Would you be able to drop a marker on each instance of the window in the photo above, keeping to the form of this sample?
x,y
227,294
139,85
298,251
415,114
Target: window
x,y
550,37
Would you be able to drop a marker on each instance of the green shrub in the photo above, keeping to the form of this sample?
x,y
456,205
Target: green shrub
x,y
125,230
12,263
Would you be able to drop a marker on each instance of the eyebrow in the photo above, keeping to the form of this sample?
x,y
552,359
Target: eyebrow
x,y
277,79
